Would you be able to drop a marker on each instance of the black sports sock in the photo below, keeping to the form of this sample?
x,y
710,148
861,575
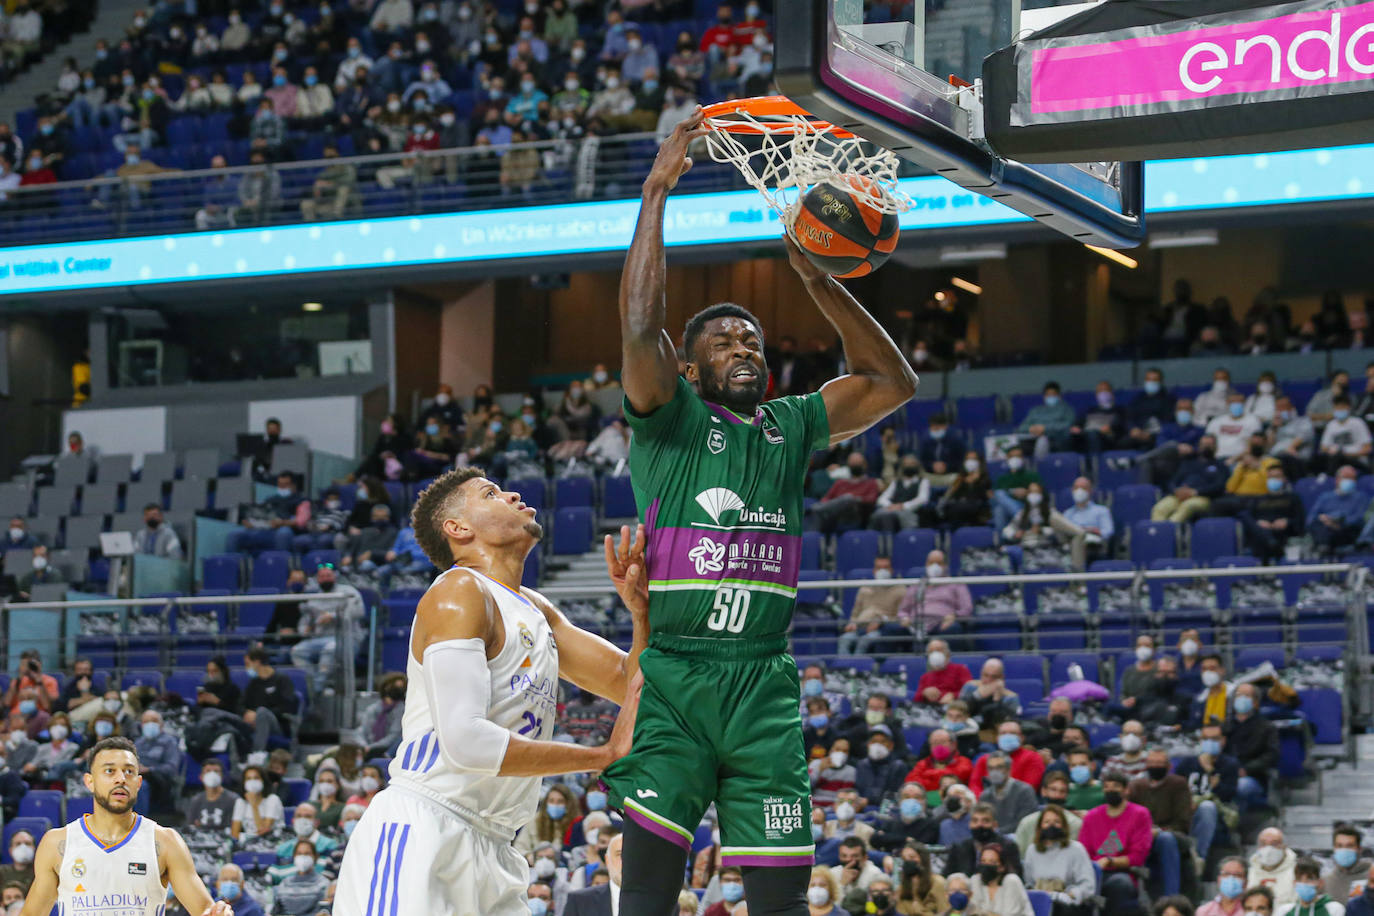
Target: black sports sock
x,y
652,874
776,891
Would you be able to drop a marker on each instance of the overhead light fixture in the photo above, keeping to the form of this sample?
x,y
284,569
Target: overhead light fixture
x,y
967,286
940,296
312,307
1192,239
1116,256
963,254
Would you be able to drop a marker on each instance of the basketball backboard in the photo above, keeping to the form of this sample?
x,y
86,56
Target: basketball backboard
x,y
906,75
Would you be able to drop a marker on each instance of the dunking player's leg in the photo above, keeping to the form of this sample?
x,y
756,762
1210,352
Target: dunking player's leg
x,y
653,873
776,891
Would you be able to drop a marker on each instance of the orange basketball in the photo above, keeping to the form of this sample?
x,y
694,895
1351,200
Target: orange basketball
x,y
841,228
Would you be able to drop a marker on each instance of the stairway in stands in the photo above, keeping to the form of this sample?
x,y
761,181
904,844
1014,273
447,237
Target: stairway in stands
x,y
110,21
1343,793
586,571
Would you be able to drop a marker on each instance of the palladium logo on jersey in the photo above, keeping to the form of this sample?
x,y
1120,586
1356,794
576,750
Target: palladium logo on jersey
x,y
719,500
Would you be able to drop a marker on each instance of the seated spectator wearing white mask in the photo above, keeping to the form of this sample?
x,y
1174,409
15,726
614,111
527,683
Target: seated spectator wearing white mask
x,y
1272,865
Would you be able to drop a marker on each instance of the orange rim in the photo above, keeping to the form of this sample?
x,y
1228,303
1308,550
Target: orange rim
x,y
774,114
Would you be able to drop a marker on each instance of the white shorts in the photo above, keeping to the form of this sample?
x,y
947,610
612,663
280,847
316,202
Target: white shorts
x,y
410,856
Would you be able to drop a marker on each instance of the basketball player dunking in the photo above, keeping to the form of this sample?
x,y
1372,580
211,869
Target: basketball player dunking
x,y
485,659
114,862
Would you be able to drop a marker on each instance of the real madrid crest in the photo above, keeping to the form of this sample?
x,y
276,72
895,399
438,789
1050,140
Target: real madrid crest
x,y
526,637
79,868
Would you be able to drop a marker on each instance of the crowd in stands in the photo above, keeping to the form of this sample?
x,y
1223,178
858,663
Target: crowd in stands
x,y
212,85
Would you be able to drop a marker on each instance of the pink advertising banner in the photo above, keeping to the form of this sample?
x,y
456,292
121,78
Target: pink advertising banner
x,y
1273,54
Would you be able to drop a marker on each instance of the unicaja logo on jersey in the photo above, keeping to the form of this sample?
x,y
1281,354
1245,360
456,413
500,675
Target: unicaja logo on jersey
x,y
708,556
719,500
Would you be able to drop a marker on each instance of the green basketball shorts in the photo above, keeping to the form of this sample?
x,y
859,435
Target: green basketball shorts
x,y
718,721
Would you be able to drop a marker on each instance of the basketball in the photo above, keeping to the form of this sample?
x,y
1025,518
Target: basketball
x,y
842,229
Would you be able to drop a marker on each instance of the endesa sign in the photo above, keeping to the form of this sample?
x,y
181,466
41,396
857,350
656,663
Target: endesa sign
x,y
1137,79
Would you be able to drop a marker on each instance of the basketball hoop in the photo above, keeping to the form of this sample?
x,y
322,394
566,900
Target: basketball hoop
x,y
784,151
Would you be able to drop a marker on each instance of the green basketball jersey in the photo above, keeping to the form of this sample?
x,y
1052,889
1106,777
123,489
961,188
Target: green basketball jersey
x,y
721,501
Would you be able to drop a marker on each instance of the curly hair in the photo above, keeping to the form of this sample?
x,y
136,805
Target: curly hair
x,y
428,515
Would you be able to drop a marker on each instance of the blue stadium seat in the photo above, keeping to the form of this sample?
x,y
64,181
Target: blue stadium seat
x,y
1042,904
1062,661
1253,658
1309,488
141,679
255,615
531,490
184,684
812,596
618,498
1110,477
270,569
912,546
857,550
221,571
1058,469
79,807
300,789
1102,732
569,492
1224,583
572,530
400,610
976,411
812,542
919,412
1153,541
1132,503
1323,708
46,803
1156,586
255,861
1212,538
529,576
964,539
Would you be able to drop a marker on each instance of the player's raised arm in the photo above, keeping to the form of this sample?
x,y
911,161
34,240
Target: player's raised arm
x,y
649,360
42,895
455,626
180,870
588,660
880,380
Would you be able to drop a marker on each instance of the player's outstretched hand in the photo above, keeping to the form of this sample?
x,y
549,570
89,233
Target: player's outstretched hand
x,y
219,908
622,735
800,262
672,161
625,563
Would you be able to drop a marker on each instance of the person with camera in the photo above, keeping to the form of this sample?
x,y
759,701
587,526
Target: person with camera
x,y
31,676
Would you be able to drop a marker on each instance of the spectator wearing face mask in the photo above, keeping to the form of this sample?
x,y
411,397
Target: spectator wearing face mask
x,y
1011,489
367,549
305,825
46,765
20,869
320,623
157,538
1198,481
875,614
964,855
845,823
1059,865
257,812
273,523
988,697
213,807
905,503
269,700
731,891
1104,425
1291,437
1312,898
1026,763
160,761
1085,792
18,536
231,890
908,820
831,773
1272,866
1048,425
1151,410
1345,439
1213,402
1130,762
942,680
40,572
1170,803
1337,516
939,608
381,722
1118,836
849,501
1323,404
1011,798
1230,889
1053,791
1039,524
941,449
943,759
1253,740
302,892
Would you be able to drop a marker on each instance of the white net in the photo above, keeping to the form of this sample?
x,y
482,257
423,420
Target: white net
x,y
784,155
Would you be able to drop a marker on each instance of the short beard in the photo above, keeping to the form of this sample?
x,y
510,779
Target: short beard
x,y
744,400
108,804
534,530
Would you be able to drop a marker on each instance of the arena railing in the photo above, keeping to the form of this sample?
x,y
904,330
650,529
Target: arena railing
x,y
54,645
467,178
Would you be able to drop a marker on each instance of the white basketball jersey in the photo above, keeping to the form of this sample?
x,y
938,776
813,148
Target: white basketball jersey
x,y
119,880
524,700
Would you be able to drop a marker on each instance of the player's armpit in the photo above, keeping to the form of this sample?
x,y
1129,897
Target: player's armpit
x,y
455,607
176,863
42,895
